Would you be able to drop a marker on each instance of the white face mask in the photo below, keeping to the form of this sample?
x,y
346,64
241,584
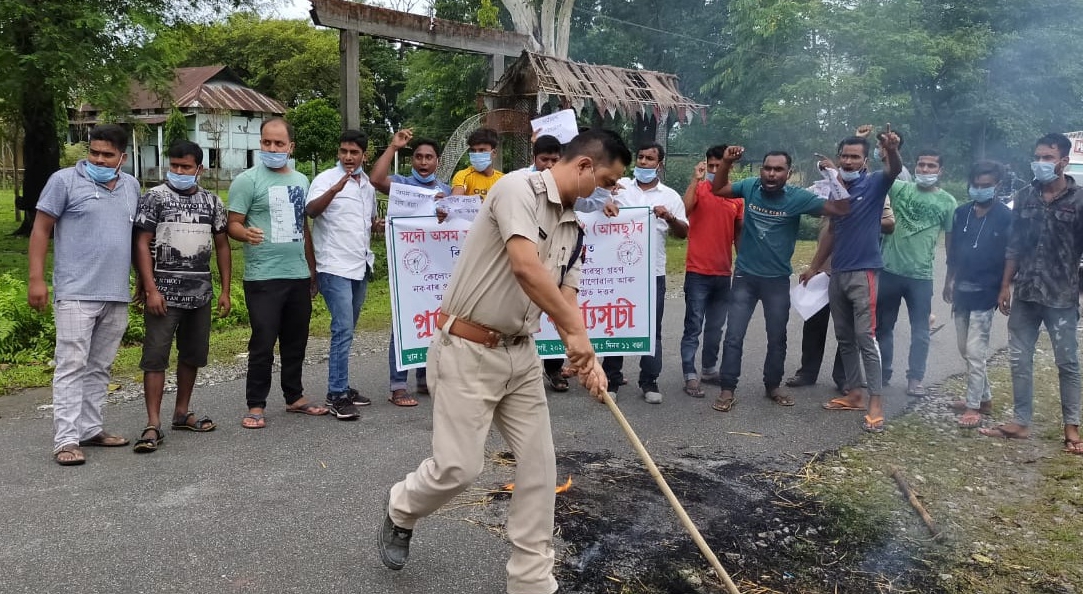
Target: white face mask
x,y
926,180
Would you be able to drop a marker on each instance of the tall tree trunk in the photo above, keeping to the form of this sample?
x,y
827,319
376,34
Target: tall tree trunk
x,y
41,151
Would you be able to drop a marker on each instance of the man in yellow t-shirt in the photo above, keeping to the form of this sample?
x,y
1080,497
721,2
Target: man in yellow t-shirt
x,y
480,175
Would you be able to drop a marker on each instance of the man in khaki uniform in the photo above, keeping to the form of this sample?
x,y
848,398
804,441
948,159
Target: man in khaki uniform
x,y
521,258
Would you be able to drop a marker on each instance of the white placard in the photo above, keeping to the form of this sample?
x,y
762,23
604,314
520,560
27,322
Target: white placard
x,y
462,206
808,299
404,200
560,124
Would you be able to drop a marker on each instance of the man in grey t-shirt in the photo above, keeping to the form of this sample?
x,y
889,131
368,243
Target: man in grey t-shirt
x,y
89,210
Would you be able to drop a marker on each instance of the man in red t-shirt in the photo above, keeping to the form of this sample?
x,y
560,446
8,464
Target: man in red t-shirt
x,y
714,226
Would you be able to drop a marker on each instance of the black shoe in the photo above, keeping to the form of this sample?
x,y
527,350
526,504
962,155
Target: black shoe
x,y
356,398
394,544
342,408
798,381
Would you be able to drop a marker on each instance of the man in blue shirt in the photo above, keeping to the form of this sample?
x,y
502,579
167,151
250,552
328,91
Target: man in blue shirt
x,y
855,240
424,161
773,212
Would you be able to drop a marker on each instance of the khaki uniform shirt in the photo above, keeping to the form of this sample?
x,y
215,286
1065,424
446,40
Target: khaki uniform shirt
x,y
483,288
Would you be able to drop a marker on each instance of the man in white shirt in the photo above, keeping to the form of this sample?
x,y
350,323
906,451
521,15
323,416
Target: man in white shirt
x,y
668,207
342,204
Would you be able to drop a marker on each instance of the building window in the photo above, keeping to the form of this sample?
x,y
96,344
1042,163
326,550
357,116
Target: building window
x,y
214,157
250,160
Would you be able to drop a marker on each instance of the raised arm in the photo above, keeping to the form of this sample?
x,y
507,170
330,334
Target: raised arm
x,y
894,159
689,197
721,185
382,167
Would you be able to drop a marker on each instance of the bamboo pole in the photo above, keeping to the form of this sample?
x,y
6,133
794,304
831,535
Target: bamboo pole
x,y
673,502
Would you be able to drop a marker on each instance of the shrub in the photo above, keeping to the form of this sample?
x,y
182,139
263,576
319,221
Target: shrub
x,y
26,335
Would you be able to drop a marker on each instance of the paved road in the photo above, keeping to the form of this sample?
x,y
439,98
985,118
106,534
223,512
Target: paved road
x,y
293,507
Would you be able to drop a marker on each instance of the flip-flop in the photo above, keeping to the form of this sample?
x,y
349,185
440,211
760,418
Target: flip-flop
x,y
258,422
401,398
76,458
1073,446
841,404
971,424
781,398
918,392
999,432
308,409
724,404
873,424
200,426
104,440
693,389
556,381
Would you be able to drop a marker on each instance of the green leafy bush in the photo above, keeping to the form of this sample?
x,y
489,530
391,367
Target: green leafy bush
x,y
26,335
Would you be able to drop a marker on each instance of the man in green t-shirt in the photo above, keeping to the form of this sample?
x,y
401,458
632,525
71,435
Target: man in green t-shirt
x,y
267,214
922,211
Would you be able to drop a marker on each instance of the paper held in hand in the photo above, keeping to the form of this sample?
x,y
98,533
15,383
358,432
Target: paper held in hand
x,y
404,200
810,298
560,124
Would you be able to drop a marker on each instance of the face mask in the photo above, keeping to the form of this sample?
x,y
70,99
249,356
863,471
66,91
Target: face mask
x,y
981,194
1044,171
533,169
481,161
849,175
600,195
180,182
926,180
644,175
427,179
274,160
709,177
102,175
876,156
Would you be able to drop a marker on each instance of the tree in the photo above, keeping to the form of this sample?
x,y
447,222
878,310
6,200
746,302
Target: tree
x,y
316,127
52,51
176,128
548,24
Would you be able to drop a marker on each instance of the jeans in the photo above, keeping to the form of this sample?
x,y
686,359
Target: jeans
x,y
278,311
1024,324
88,335
813,339
852,297
398,377
972,333
705,300
650,366
344,298
774,293
918,294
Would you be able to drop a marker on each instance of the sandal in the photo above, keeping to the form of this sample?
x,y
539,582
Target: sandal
x,y
147,445
1002,433
970,421
960,406
556,381
841,404
402,398
724,404
253,421
1073,446
200,426
307,408
693,389
780,397
69,455
104,440
873,424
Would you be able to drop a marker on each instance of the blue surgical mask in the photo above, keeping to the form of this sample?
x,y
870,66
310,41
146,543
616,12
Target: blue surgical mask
x,y
481,161
427,179
533,169
926,180
180,182
600,194
709,177
1044,171
644,175
981,194
876,156
849,175
274,160
102,175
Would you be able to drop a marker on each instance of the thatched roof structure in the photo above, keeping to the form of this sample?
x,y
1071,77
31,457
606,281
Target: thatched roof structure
x,y
610,90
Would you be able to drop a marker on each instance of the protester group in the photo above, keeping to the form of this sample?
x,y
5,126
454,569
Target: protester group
x,y
878,239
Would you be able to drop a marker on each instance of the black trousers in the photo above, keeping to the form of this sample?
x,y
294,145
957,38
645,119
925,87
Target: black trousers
x,y
813,339
278,311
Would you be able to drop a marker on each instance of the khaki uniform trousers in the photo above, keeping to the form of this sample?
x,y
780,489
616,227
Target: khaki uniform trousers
x,y
473,387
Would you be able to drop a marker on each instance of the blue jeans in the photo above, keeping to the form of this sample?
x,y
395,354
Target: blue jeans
x,y
650,366
398,378
747,290
705,299
918,294
344,298
1024,324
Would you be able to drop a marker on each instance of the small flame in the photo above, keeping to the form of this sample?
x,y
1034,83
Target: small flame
x,y
560,488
